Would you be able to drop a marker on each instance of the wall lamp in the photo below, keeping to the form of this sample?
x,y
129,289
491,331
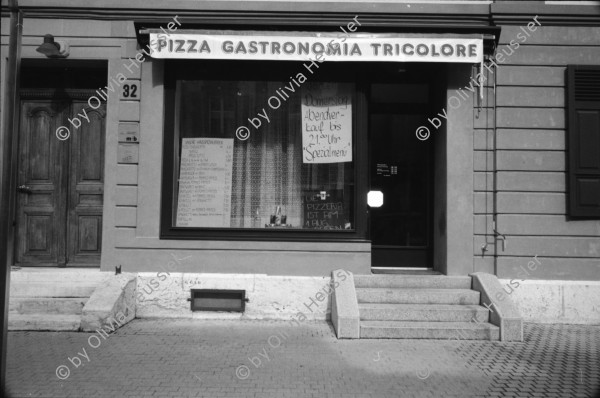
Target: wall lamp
x,y
53,49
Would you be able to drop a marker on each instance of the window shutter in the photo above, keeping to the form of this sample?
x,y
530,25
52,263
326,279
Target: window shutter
x,y
583,141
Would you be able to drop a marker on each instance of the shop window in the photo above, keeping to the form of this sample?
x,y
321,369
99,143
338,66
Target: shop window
x,y
583,84
269,155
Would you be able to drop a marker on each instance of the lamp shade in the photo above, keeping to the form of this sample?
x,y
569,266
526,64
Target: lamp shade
x,y
49,48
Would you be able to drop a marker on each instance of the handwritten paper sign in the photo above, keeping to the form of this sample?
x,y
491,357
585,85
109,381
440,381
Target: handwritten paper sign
x,y
205,182
325,213
327,123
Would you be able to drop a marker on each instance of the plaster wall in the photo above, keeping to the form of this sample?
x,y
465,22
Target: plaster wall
x,y
554,301
165,294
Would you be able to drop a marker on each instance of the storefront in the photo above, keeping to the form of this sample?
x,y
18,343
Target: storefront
x,y
280,138
257,149
294,139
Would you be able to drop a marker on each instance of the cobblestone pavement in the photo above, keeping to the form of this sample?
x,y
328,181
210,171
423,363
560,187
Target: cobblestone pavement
x,y
193,358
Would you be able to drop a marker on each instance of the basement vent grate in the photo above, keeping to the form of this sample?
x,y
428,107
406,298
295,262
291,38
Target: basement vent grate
x,y
218,300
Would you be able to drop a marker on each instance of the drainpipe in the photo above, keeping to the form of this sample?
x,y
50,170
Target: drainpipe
x,y
8,177
495,182
497,235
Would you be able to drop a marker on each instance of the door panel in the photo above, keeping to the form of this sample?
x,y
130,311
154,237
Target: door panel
x,y
400,167
40,201
86,188
59,207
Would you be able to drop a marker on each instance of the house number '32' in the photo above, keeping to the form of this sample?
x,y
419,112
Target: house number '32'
x,y
130,90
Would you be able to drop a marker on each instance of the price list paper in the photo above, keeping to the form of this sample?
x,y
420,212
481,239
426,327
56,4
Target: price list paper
x,y
205,177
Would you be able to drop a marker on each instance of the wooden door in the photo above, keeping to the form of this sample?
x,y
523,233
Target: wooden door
x,y
42,194
86,188
60,185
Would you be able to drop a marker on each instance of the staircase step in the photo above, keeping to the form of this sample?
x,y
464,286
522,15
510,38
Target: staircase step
x,y
52,289
59,275
422,312
428,330
404,271
46,305
52,322
417,296
413,281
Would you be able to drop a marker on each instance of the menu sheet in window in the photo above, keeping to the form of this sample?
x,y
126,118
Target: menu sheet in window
x,y
205,177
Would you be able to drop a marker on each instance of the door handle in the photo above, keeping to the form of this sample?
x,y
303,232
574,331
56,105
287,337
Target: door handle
x,y
24,189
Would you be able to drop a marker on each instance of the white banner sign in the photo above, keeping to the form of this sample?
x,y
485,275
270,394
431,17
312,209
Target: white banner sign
x,y
302,46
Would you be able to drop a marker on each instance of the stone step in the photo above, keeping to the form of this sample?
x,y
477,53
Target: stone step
x,y
404,271
423,312
52,289
52,322
428,330
59,275
417,296
46,305
413,281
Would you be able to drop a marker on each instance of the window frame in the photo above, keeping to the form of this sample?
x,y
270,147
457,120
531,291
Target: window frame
x,y
257,70
575,211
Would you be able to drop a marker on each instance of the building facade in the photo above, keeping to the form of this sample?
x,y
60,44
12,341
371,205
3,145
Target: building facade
x,y
262,145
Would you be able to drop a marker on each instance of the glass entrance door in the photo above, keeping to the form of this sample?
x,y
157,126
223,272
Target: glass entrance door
x,y
401,169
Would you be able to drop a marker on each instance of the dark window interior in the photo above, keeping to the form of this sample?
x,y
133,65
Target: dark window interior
x,y
227,105
51,73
